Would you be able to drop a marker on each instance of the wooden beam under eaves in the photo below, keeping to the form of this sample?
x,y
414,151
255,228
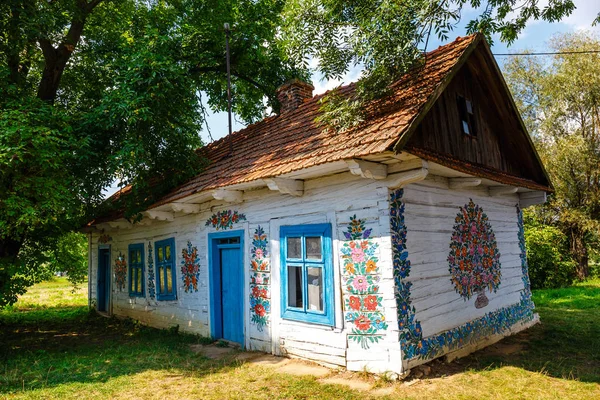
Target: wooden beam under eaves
x,y
367,169
159,215
401,179
502,190
292,187
461,183
229,196
185,208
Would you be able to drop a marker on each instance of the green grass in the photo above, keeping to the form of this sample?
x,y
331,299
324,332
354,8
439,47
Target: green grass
x,y
52,347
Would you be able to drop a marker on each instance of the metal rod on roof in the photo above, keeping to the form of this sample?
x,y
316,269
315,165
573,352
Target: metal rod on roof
x,y
227,32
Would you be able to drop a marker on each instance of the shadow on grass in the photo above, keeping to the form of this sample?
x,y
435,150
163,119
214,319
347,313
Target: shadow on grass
x,y
565,345
54,346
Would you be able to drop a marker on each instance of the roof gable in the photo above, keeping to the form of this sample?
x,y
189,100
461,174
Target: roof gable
x,y
501,151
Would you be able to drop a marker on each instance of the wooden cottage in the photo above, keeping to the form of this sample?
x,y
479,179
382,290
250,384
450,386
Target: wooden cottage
x,y
380,247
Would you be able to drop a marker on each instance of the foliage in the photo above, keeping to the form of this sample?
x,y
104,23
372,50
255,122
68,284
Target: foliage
x,y
548,257
40,261
560,102
93,91
386,38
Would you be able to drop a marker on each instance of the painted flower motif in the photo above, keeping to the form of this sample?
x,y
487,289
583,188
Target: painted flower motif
x,y
371,266
259,309
354,302
360,283
225,219
190,268
259,296
371,302
350,269
358,255
363,323
259,253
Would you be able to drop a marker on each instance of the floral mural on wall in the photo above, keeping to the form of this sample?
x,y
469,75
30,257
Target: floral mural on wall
x,y
151,284
120,272
225,219
260,295
190,268
103,239
412,342
362,301
474,259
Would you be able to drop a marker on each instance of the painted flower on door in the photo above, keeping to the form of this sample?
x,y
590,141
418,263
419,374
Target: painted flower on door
x,y
260,296
190,268
361,277
474,259
120,272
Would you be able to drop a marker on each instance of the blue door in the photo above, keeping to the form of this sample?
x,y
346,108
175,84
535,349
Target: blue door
x,y
227,287
103,279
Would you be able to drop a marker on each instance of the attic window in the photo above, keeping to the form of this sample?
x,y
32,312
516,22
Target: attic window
x,y
467,116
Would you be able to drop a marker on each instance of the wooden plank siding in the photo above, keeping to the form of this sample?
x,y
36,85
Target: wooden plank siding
x,y
500,144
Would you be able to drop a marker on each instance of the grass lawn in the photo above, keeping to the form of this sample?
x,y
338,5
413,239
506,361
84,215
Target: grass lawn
x,y
52,347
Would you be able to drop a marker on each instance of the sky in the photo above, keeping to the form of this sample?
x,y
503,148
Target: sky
x,y
534,38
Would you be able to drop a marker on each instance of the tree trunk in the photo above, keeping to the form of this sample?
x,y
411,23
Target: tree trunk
x,y
580,253
55,59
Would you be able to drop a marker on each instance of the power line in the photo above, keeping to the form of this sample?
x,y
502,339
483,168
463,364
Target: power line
x,y
549,53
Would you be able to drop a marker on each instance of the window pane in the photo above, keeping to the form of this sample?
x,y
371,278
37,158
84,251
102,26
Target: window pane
x,y
313,248
169,280
469,106
160,254
315,289
294,247
161,279
295,286
132,281
466,127
167,252
139,257
131,257
139,280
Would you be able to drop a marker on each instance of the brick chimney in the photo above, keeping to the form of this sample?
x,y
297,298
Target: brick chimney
x,y
293,93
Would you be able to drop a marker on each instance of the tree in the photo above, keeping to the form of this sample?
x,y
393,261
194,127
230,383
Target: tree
x,y
97,90
560,101
387,37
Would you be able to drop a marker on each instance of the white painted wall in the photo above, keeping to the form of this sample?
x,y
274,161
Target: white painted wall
x,y
330,199
430,216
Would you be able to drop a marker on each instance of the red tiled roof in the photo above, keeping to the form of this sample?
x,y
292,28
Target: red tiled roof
x,y
293,141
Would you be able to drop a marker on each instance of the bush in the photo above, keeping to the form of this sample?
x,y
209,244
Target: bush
x,y
548,257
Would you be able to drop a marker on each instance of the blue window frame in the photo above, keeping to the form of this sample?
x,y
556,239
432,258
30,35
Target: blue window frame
x,y
136,270
307,273
166,283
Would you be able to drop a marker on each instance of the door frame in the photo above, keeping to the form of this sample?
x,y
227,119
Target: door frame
x,y
108,283
214,286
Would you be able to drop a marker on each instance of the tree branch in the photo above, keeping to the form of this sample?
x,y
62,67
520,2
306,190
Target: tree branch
x,y
222,69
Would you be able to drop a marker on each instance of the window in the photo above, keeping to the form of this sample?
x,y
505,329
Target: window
x,y
136,270
166,286
468,124
307,273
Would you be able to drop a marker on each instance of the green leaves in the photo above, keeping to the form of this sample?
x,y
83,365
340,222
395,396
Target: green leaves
x,y
127,106
386,38
560,102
